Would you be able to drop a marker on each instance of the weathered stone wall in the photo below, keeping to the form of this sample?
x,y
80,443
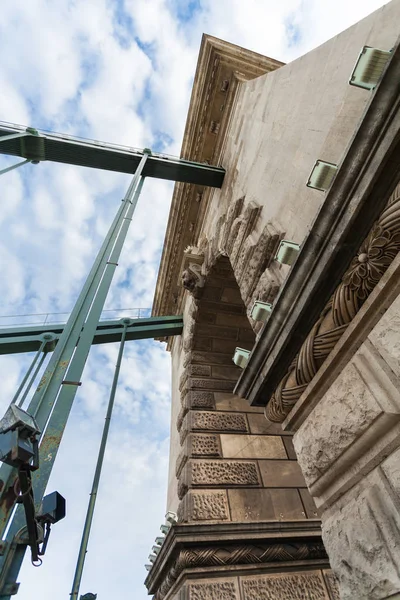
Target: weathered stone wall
x,y
349,450
287,119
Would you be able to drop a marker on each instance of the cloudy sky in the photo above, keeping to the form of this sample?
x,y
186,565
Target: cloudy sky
x,y
119,71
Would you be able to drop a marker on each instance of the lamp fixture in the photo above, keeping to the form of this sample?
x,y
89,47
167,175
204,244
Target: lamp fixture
x,y
171,517
369,67
261,311
287,252
241,357
322,175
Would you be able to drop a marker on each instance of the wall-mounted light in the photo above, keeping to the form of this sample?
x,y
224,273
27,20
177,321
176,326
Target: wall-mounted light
x,y
261,311
171,517
287,252
369,67
241,357
322,175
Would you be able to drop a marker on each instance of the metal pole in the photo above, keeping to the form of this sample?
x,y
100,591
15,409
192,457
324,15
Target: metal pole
x,y
14,166
12,136
93,494
29,371
43,400
62,378
28,387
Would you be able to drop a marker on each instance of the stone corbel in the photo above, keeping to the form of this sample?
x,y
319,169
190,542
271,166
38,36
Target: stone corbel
x,y
192,271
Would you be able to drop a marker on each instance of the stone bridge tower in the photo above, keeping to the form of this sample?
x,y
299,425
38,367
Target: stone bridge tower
x,y
248,527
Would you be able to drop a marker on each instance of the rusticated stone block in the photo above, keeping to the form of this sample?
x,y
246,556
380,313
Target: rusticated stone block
x,y
182,489
183,379
332,584
226,372
227,333
196,445
225,590
284,587
217,421
220,473
197,399
210,384
208,358
204,505
203,445
199,370
184,429
181,416
180,462
200,343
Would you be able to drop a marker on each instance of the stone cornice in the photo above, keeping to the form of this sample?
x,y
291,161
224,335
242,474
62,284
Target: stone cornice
x,y
365,179
220,69
262,542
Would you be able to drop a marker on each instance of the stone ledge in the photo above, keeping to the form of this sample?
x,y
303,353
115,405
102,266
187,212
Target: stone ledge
x,y
220,534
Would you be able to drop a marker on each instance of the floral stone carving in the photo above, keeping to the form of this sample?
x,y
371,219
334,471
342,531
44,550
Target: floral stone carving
x,y
366,269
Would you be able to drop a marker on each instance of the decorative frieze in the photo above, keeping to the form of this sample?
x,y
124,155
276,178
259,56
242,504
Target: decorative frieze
x,y
290,586
284,587
372,260
212,591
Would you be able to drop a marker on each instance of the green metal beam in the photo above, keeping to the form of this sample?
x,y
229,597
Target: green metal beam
x,y
39,145
15,340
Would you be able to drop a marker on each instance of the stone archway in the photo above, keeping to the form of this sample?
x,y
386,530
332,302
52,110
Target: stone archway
x,y
236,471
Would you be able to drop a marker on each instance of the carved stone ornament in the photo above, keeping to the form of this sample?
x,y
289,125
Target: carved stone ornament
x,y
295,586
192,279
216,556
192,276
366,269
204,505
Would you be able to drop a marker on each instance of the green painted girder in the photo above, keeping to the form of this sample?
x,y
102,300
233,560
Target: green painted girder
x,y
38,146
28,338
